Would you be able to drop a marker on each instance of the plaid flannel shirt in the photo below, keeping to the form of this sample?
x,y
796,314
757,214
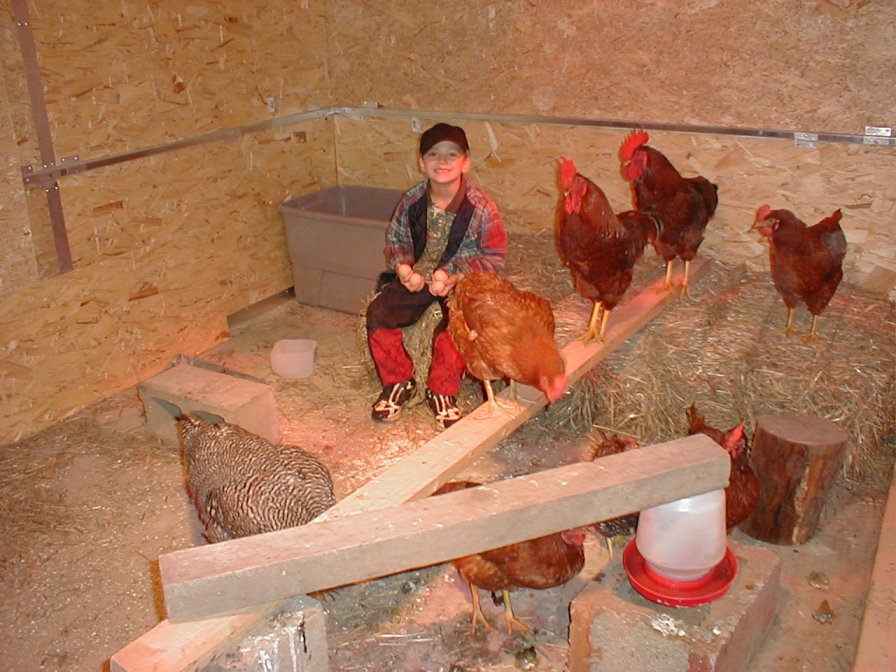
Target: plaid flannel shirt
x,y
483,247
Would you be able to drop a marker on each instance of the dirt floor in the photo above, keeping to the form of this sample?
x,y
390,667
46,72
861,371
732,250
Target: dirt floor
x,y
90,504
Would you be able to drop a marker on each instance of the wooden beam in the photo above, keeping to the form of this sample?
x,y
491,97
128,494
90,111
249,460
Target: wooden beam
x,y
877,646
413,477
220,578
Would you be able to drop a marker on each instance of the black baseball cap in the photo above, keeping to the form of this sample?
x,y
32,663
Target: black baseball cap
x,y
440,132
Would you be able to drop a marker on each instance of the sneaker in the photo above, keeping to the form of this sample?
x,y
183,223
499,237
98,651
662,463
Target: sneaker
x,y
393,398
444,408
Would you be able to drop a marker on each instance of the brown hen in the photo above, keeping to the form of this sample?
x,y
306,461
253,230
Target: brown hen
x,y
598,246
540,563
806,261
505,333
742,493
680,206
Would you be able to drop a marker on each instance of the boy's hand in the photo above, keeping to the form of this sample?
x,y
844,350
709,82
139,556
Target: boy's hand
x,y
412,281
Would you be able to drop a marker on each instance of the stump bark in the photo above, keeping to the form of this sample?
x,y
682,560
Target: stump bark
x,y
796,458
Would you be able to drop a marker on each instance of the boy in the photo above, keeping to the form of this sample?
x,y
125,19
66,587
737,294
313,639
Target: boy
x,y
442,228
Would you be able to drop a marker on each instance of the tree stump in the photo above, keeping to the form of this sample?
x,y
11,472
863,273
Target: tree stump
x,y
796,458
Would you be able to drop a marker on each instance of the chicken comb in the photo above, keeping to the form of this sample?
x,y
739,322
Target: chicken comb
x,y
763,212
567,171
632,141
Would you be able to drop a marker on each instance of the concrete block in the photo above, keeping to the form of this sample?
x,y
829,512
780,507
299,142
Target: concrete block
x,y
294,641
614,628
185,388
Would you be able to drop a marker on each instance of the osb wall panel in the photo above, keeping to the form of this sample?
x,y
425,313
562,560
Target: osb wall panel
x,y
517,165
822,65
165,247
134,73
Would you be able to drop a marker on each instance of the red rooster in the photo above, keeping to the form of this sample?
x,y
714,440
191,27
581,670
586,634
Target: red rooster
x,y
681,206
504,332
599,247
742,493
539,563
806,261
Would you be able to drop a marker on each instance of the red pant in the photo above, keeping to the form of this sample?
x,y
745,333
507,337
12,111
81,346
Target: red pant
x,y
391,310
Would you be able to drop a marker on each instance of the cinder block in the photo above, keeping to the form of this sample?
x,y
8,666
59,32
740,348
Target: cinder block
x,y
614,628
296,641
185,388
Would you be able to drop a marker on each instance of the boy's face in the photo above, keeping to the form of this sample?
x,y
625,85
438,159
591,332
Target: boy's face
x,y
444,162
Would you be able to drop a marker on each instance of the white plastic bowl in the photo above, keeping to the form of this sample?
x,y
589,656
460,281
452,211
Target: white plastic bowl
x,y
294,357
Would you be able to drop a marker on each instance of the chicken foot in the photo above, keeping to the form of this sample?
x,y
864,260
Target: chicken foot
x,y
509,618
789,328
493,404
813,332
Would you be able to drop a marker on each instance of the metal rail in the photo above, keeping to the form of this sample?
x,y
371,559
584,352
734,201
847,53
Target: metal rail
x,y
73,165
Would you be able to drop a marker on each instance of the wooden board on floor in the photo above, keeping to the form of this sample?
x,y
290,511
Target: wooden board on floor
x,y
186,647
877,646
169,646
216,579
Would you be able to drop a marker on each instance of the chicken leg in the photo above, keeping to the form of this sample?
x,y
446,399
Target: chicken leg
x,y
599,316
667,280
477,610
685,286
789,328
813,332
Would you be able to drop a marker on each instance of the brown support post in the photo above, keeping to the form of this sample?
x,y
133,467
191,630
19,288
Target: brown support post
x,y
44,137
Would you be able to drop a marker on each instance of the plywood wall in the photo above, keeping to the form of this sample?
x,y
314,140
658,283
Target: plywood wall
x,y
816,65
166,246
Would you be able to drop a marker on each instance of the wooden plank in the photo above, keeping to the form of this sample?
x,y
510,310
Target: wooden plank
x,y
173,647
415,476
877,646
217,579
420,473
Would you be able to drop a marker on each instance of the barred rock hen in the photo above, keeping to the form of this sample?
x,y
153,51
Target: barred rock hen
x,y
539,563
598,246
504,332
622,526
806,261
681,206
241,484
742,493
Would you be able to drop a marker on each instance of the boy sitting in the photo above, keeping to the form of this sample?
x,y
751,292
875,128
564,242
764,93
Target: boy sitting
x,y
443,227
